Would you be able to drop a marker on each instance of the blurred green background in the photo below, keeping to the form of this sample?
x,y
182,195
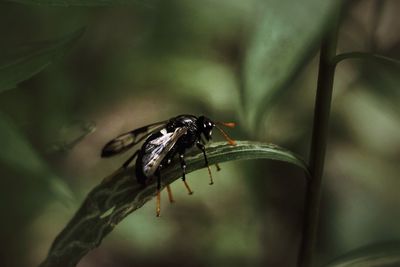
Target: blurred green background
x,y
230,60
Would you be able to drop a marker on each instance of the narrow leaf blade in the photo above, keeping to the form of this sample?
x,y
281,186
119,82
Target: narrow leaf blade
x,y
119,194
67,3
378,255
21,63
367,56
244,150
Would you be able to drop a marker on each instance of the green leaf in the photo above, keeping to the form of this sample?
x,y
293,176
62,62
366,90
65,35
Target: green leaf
x,y
119,194
378,255
379,75
220,152
66,3
17,153
21,63
285,38
367,56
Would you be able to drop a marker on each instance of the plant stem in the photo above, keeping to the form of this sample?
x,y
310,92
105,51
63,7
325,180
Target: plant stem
x,y
318,145
365,55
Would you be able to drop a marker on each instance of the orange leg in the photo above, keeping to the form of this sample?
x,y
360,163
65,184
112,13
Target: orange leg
x,y
187,187
209,174
170,197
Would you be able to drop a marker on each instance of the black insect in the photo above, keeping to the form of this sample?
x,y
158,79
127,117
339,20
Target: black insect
x,y
162,142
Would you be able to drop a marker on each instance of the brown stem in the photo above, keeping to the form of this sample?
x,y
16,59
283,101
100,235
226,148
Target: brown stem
x,y
318,146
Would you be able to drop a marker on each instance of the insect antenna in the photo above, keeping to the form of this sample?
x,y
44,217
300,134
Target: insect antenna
x,y
227,124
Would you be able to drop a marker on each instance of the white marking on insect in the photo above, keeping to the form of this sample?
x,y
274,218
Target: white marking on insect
x,y
156,150
161,140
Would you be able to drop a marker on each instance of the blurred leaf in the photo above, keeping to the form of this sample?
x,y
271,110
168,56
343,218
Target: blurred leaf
x,y
23,62
368,56
15,150
378,255
287,35
381,78
72,134
119,194
18,154
66,3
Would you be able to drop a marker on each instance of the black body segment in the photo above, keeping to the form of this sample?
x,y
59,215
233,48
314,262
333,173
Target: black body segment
x,y
156,152
163,141
178,135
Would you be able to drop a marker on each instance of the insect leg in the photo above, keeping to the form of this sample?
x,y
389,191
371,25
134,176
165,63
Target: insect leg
x,y
183,166
126,163
202,148
158,207
218,167
170,197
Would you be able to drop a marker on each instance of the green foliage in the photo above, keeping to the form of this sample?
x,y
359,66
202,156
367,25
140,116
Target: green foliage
x,y
14,145
244,150
119,194
378,255
67,3
18,154
21,63
380,74
285,38
16,65
368,56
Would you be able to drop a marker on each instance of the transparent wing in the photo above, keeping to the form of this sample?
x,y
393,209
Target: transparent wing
x,y
156,150
127,140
